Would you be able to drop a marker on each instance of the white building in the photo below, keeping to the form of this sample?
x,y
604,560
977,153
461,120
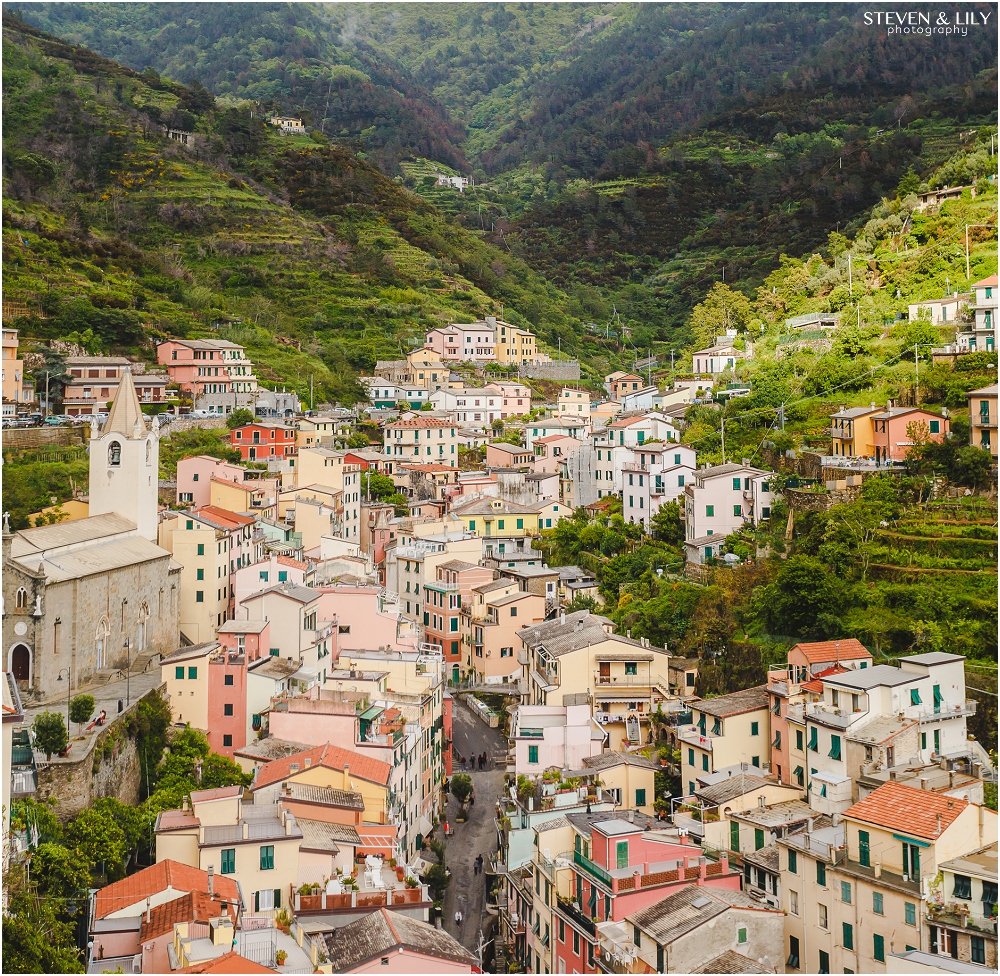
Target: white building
x,y
471,406
574,403
659,474
568,427
716,359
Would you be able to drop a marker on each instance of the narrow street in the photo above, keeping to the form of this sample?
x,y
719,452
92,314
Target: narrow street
x,y
467,891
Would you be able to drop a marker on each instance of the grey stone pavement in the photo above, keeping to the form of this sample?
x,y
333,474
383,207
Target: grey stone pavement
x,y
106,697
467,891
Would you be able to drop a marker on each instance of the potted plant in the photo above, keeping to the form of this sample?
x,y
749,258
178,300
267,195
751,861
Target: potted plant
x,y
280,956
411,882
283,920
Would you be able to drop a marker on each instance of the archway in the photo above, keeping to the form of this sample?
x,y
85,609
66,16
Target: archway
x,y
101,642
19,663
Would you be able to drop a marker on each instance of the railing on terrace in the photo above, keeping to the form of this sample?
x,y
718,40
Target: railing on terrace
x,y
589,866
934,713
693,736
571,912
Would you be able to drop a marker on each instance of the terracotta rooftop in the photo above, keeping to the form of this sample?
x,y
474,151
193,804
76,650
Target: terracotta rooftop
x,y
219,793
990,282
330,756
422,422
907,809
230,962
816,685
842,650
223,517
165,875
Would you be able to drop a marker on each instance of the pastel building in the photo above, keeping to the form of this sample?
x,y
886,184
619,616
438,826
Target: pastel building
x,y
467,343
983,420
93,383
263,440
13,374
984,338
574,403
209,366
897,429
195,474
659,474
423,439
554,737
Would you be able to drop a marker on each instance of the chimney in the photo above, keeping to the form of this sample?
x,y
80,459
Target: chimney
x,y
892,775
702,870
211,880
951,780
877,869
148,911
724,861
938,831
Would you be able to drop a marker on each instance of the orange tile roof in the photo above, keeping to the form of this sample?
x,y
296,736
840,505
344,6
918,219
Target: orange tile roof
x,y
232,484
195,906
554,437
294,563
230,962
333,757
627,422
816,684
154,879
990,282
842,650
907,809
219,793
222,516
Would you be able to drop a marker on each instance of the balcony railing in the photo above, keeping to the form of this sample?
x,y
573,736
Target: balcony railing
x,y
574,915
591,868
693,737
936,713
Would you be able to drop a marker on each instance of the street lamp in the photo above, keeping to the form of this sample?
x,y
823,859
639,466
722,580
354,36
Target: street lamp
x,y
69,677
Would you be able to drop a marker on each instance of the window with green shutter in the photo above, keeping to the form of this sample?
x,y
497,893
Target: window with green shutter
x,y
824,962
821,874
229,860
793,862
520,523
622,854
879,948
755,728
737,484
878,904
690,757
758,839
915,696
798,739
834,747
741,936
192,673
267,857
201,548
845,892
734,836
848,936
709,511
864,848
631,667
814,739
704,763
179,672
937,696
640,798
532,754
910,910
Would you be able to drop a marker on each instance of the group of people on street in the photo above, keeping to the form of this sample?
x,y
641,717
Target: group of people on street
x,y
482,761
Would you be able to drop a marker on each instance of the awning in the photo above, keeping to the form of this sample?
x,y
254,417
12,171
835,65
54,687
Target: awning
x,y
305,675
369,713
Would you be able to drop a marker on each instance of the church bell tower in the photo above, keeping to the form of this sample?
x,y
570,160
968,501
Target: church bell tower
x,y
125,462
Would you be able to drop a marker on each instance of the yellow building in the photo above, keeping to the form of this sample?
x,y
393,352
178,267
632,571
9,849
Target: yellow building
x,y
515,345
576,656
185,675
255,844
857,891
852,432
725,732
496,617
574,403
494,518
427,370
67,511
246,496
628,777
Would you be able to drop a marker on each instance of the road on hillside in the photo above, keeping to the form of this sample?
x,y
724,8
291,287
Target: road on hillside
x,y
467,891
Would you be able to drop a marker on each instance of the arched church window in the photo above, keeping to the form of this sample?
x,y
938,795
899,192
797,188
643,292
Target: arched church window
x,y
22,599
114,454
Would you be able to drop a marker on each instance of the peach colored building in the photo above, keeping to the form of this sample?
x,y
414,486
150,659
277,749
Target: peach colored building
x,y
892,431
264,573
363,619
494,640
444,598
550,452
475,342
801,679
195,474
200,366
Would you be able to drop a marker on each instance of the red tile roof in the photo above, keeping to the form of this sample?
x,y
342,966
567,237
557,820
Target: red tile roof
x,y
154,879
333,757
990,282
907,809
222,516
219,793
626,422
294,563
842,650
554,437
193,907
816,684
231,962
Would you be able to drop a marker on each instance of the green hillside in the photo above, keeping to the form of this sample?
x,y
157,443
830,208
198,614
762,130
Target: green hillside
x,y
310,256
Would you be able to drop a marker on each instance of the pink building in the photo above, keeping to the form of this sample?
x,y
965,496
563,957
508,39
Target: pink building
x,y
892,432
448,722
807,663
444,598
550,452
516,398
194,478
472,343
618,870
241,643
362,621
377,530
393,942
560,736
200,366
265,573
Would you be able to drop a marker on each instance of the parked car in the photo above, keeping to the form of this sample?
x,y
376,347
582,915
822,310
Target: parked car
x,y
54,422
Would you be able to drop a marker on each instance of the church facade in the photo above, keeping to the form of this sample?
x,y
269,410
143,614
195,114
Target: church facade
x,y
87,597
